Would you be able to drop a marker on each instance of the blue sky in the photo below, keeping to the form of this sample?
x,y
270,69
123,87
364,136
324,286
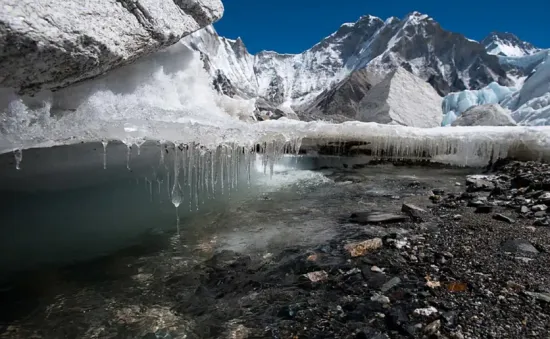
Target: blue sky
x,y
291,26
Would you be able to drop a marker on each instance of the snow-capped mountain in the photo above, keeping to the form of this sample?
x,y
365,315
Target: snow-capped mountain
x,y
448,61
507,44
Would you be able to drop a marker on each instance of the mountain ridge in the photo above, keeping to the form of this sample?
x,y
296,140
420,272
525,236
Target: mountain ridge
x,y
447,60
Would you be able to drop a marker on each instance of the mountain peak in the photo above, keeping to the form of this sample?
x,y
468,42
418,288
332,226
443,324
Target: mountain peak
x,y
507,44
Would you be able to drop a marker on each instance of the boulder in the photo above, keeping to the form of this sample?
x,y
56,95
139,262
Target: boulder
x,y
401,98
485,115
52,44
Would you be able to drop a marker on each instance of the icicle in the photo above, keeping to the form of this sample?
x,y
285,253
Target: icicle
x,y
138,144
18,154
177,194
128,154
162,150
212,167
104,143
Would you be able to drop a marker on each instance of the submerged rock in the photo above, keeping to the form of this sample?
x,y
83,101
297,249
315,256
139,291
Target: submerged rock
x,y
50,45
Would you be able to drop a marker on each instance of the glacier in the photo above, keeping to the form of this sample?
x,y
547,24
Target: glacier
x,y
455,103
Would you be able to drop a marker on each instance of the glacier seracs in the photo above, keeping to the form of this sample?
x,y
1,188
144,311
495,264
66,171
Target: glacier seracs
x,y
455,103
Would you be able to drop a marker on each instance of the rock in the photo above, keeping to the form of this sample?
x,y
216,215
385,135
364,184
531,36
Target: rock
x,y
524,209
67,41
361,248
391,101
539,296
485,115
518,245
438,191
545,198
377,217
317,276
390,284
376,269
502,217
540,214
380,299
457,217
433,327
478,183
415,212
484,209
435,198
426,312
538,208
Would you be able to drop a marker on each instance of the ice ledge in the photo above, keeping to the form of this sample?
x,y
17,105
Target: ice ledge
x,y
466,146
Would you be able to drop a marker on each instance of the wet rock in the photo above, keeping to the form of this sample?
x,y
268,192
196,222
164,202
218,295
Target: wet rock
x,y
377,218
502,217
518,245
415,212
359,249
484,209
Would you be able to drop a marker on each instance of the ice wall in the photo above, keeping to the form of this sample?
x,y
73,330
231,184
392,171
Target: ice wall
x,y
456,103
168,87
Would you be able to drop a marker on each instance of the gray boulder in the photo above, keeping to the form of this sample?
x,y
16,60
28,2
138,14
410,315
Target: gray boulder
x,y
485,115
50,44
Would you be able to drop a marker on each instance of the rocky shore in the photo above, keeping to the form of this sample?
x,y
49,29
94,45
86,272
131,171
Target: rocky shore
x,y
473,265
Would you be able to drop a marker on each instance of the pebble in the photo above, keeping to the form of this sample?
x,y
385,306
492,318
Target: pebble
x,y
380,298
376,269
426,312
457,217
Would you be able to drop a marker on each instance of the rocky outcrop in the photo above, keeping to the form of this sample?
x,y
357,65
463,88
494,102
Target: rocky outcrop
x,y
340,102
52,44
403,99
485,115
